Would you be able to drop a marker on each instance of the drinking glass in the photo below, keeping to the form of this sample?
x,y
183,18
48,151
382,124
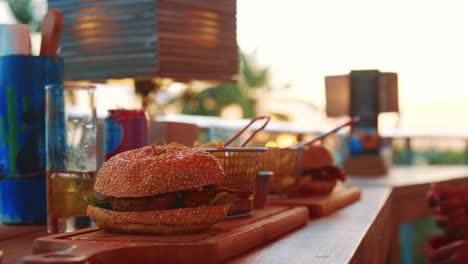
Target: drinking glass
x,y
70,155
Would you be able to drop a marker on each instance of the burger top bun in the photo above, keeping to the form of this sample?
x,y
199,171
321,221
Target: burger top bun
x,y
152,170
316,156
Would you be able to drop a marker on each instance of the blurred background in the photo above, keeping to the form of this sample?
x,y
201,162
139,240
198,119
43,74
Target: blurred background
x,y
286,50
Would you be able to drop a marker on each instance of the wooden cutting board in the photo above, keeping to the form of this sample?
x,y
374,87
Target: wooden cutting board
x,y
224,240
340,197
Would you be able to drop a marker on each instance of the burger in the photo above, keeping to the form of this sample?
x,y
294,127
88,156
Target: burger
x,y
319,174
159,190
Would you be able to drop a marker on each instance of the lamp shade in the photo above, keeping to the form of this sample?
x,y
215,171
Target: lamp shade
x,y
177,39
338,93
388,92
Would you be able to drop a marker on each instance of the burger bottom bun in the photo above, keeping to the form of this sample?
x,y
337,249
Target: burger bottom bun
x,y
309,186
161,222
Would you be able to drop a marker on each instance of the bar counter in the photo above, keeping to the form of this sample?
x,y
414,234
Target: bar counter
x,y
409,186
349,235
363,232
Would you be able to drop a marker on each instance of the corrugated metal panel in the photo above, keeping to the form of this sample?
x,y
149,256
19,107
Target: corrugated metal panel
x,y
105,39
198,38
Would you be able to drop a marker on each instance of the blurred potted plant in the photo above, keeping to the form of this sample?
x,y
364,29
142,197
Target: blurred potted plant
x,y
29,13
23,11
244,93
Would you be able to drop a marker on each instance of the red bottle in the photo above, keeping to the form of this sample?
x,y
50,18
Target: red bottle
x,y
124,130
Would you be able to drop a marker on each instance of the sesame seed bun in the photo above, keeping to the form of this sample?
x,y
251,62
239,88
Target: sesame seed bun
x,y
161,222
316,156
153,170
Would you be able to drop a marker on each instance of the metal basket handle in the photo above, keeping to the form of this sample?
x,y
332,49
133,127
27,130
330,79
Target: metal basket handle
x,y
312,141
266,117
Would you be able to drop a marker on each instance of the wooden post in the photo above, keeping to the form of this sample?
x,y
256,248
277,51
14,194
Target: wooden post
x,y
407,152
466,151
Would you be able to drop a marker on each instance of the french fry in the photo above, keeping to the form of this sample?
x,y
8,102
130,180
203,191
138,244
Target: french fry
x,y
220,143
177,145
197,143
214,144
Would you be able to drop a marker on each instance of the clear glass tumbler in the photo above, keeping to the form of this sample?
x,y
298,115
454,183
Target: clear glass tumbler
x,y
70,155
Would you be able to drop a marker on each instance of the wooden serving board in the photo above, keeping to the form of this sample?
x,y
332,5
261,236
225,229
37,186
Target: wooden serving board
x,y
224,240
340,197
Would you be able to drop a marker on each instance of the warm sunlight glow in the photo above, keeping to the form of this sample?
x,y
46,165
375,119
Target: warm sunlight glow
x,y
285,140
423,41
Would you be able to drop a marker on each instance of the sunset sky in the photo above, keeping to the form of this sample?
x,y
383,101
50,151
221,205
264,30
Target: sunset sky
x,y
423,41
304,40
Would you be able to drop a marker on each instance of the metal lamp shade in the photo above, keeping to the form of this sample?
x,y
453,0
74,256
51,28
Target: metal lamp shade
x,y
338,94
179,39
388,92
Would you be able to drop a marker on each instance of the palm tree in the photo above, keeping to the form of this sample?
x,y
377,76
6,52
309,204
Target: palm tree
x,y
23,11
243,93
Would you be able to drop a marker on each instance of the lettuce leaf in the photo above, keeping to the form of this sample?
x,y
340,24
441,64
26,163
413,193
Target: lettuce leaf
x,y
215,199
227,198
98,200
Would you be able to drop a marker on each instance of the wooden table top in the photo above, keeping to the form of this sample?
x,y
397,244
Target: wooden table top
x,y
404,176
332,239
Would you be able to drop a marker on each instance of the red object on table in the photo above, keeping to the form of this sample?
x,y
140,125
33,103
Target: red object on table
x,y
52,28
439,241
124,130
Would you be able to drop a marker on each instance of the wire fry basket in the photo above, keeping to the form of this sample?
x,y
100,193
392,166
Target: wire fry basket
x,y
241,166
286,163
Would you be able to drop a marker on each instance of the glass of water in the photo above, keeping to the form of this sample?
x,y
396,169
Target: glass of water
x,y
70,155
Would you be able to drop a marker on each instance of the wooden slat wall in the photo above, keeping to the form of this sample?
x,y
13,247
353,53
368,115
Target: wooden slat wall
x,y
180,39
105,39
197,38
